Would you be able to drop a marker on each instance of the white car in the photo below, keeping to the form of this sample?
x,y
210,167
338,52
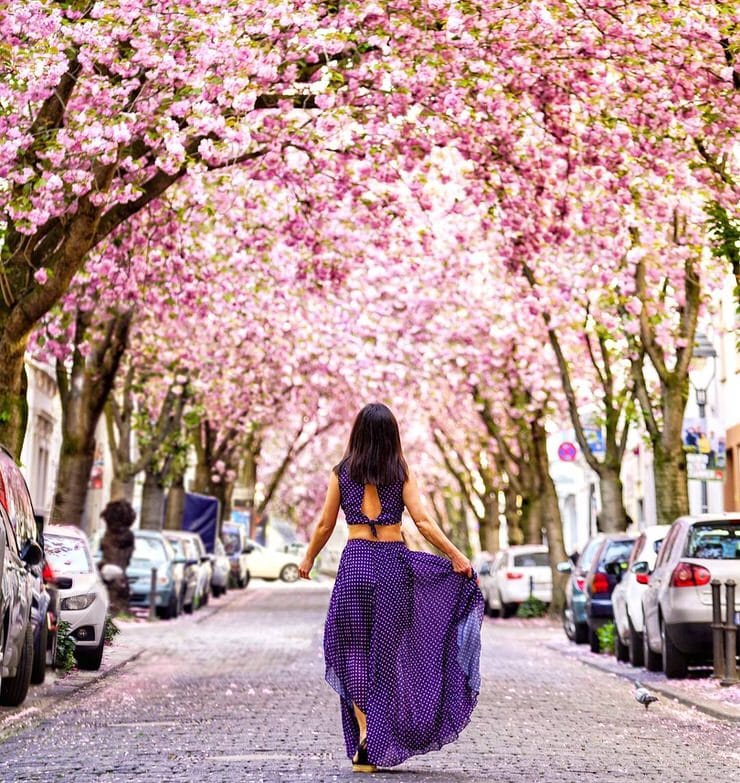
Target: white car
x,y
84,604
267,563
513,575
627,595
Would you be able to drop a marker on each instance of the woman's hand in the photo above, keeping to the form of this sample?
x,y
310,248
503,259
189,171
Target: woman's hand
x,y
304,569
461,565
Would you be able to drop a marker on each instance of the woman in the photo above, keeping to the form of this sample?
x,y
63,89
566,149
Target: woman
x,y
402,634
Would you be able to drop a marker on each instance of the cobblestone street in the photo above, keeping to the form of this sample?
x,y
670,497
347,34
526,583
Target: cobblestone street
x,y
237,694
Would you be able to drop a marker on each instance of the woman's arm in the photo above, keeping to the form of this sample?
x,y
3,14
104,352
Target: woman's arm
x,y
324,528
431,530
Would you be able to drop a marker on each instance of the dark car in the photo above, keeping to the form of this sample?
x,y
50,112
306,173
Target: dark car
x,y
574,614
609,559
20,589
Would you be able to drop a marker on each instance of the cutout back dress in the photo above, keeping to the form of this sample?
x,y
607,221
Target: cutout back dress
x,y
401,639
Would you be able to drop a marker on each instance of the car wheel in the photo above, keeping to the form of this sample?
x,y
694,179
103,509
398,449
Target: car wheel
x,y
569,625
13,690
653,661
593,640
38,671
674,661
169,612
90,658
216,591
636,653
621,650
581,635
289,573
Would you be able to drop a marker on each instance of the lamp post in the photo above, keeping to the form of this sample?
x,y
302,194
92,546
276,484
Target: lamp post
x,y
703,351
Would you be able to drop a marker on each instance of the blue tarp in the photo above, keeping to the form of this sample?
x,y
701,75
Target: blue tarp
x,y
201,516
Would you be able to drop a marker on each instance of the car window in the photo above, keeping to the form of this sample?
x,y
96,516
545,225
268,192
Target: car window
x,y
198,547
584,561
532,560
16,500
617,551
67,555
176,544
149,550
9,535
664,553
637,549
232,543
714,541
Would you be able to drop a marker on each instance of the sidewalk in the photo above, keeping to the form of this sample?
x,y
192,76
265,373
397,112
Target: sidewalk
x,y
699,692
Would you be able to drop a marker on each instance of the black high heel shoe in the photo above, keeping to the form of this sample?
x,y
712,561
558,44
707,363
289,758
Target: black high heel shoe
x,y
360,761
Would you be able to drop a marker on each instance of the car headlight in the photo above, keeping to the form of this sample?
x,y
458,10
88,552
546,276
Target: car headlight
x,y
78,602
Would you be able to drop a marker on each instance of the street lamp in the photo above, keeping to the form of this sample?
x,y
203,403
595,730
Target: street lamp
x,y
703,351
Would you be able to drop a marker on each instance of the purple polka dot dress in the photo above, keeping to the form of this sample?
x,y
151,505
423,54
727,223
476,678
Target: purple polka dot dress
x,y
402,639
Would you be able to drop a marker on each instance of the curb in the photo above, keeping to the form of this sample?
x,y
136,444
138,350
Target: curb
x,y
52,701
719,711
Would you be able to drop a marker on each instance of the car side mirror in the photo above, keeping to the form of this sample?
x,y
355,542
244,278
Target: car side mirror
x,y
31,553
564,568
641,567
179,561
485,569
62,582
205,559
247,549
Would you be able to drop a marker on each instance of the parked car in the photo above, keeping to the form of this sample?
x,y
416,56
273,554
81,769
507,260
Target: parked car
x,y
627,595
575,622
153,551
513,575
84,597
221,568
601,579
20,552
188,557
678,600
44,613
206,569
237,548
267,563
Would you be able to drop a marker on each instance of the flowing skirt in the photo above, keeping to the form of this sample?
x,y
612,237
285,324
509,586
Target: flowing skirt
x,y
402,642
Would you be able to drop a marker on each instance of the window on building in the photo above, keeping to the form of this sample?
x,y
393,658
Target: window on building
x,y
43,434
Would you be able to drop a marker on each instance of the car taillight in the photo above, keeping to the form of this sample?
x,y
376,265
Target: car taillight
x,y
642,579
599,583
514,575
690,575
47,574
580,582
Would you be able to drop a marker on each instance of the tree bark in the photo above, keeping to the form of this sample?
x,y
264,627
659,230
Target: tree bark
x,y
175,504
13,401
83,395
152,502
75,465
488,532
613,517
671,484
531,518
551,518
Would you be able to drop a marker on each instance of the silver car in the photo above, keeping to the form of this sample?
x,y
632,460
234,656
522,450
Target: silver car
x,y
677,604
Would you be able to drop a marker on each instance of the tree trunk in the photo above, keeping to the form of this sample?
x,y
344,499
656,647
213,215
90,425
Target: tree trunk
x,y
613,517
488,530
514,533
75,463
531,519
551,518
671,484
122,489
13,401
152,502
175,504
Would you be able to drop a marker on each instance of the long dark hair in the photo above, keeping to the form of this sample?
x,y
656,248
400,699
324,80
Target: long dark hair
x,y
374,454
